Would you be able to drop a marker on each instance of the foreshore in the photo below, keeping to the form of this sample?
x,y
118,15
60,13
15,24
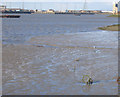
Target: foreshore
x,y
111,28
55,65
114,16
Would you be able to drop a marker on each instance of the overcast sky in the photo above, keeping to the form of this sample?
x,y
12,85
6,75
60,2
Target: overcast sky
x,y
57,0
60,4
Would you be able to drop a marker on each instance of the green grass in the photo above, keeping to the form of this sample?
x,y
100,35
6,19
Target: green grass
x,y
114,16
111,28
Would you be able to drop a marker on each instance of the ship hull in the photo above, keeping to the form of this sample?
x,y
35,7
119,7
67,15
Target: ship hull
x,y
9,16
12,12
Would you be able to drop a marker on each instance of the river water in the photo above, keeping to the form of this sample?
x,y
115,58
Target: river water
x,y
18,30
47,54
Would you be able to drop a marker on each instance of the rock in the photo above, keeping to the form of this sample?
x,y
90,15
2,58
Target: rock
x,y
90,81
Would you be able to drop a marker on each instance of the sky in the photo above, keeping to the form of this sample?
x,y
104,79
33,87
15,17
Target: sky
x,y
60,4
57,0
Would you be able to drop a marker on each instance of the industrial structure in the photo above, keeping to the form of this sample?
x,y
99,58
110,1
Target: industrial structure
x,y
116,8
19,10
2,7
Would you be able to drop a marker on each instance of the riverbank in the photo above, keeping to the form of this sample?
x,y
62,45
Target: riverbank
x,y
114,16
111,28
55,65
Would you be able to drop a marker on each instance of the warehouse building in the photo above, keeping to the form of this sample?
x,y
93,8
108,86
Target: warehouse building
x,y
116,8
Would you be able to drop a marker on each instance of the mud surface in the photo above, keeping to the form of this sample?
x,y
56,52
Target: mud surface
x,y
55,64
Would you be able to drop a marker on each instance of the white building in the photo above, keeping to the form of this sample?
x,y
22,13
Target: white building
x,y
2,7
116,8
50,11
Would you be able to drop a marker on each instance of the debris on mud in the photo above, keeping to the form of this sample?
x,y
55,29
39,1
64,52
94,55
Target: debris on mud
x,y
88,80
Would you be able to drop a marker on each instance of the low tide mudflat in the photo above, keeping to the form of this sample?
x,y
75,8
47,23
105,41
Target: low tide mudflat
x,y
55,64
49,54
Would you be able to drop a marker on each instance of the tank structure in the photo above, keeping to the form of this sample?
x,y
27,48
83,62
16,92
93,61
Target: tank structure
x,y
116,8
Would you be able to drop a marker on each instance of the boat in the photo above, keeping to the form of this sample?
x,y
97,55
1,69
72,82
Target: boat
x,y
77,14
87,13
17,12
9,16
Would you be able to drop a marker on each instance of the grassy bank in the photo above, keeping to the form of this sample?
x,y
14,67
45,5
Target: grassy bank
x,y
114,16
111,28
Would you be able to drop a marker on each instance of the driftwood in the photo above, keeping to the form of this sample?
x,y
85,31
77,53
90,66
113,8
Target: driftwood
x,y
118,80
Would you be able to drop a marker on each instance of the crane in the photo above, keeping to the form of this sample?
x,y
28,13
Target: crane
x,y
85,5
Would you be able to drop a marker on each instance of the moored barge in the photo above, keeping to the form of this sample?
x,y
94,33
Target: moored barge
x,y
9,16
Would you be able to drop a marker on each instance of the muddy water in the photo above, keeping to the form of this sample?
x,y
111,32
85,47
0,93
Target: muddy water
x,y
50,54
47,65
19,30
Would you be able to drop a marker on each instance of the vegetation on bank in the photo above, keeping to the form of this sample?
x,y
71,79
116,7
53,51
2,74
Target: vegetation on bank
x,y
114,16
111,28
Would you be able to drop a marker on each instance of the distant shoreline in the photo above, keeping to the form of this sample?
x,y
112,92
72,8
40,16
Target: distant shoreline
x,y
111,28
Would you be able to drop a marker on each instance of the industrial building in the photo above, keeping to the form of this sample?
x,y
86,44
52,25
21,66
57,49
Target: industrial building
x,y
2,7
116,8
